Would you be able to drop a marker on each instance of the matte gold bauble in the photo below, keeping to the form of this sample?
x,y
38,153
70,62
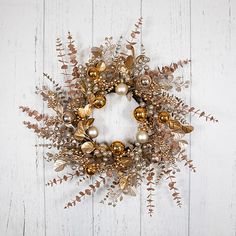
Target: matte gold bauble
x,y
91,169
140,114
163,116
117,148
93,73
99,102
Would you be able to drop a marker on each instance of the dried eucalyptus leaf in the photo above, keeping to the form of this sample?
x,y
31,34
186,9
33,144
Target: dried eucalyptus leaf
x,y
59,165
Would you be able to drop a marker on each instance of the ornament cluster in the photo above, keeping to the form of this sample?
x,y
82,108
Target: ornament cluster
x,y
71,136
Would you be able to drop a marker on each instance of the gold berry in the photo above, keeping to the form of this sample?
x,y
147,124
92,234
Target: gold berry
x,y
117,148
163,116
140,114
99,102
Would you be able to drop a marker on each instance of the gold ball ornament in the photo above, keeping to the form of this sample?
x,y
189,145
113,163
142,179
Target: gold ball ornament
x,y
99,102
92,132
140,114
163,116
117,148
91,169
93,73
121,89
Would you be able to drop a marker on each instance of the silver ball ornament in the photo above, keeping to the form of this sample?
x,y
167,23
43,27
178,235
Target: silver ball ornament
x,y
92,132
142,137
121,89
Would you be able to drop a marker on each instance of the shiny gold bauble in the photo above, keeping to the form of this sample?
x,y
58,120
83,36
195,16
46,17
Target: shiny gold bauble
x,y
99,102
117,148
163,116
91,169
93,73
140,114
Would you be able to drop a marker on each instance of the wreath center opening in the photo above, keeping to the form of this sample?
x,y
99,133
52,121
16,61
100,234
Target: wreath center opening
x,y
116,121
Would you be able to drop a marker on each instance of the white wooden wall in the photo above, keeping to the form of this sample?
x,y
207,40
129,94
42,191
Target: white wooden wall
x,y
202,30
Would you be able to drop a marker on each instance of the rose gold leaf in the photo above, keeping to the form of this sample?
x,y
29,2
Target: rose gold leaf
x,y
77,198
97,52
202,114
64,67
87,191
191,109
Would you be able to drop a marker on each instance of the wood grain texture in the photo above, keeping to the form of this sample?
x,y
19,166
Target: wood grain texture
x,y
204,31
166,36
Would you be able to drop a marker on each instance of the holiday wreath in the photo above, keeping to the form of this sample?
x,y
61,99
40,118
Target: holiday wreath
x,y
119,167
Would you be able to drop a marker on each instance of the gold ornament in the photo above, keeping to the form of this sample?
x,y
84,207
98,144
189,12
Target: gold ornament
x,y
124,162
87,147
68,117
101,66
117,148
187,128
70,128
176,126
142,136
163,116
99,102
86,111
121,89
140,114
123,182
92,132
93,73
91,169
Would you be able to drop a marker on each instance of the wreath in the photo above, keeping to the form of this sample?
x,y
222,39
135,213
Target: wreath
x,y
71,136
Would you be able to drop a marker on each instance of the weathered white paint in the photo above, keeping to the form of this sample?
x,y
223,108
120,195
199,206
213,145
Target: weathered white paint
x,y
204,31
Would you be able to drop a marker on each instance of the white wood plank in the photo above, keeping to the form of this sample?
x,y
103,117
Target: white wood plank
x,y
113,18
21,181
26,209
166,37
213,193
61,17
